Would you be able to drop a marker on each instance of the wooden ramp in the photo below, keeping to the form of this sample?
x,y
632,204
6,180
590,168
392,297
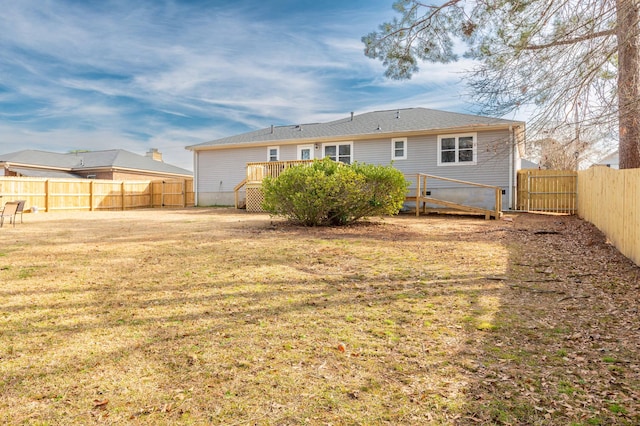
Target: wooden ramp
x,y
422,198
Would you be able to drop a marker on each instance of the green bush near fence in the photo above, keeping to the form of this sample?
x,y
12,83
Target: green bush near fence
x,y
330,193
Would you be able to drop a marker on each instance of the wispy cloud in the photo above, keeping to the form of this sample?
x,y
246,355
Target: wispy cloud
x,y
167,74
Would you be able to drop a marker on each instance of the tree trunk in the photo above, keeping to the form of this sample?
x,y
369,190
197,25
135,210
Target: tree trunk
x,y
628,34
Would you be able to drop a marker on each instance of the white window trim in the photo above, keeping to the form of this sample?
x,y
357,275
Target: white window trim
x,y
337,144
277,148
393,148
458,136
309,147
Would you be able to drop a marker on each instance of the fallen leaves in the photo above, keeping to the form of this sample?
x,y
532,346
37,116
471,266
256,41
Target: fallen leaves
x,y
101,404
430,320
558,352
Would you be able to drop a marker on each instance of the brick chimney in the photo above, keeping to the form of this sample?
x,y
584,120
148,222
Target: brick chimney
x,y
154,154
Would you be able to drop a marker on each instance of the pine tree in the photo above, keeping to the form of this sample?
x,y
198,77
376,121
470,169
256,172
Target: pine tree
x,y
561,59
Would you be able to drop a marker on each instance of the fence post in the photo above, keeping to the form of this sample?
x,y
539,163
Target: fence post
x,y
122,193
46,196
91,196
418,193
184,193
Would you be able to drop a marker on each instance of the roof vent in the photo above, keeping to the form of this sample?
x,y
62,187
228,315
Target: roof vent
x,y
379,128
398,114
351,115
272,129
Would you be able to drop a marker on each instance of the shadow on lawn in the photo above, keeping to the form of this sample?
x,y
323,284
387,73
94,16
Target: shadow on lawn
x,y
315,332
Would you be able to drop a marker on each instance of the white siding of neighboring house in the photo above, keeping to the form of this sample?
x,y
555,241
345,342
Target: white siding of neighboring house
x,y
611,160
219,171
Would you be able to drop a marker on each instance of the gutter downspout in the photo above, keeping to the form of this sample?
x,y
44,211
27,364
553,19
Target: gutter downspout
x,y
195,178
511,166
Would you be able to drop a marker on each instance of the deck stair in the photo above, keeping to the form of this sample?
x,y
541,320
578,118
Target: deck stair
x,y
252,184
421,198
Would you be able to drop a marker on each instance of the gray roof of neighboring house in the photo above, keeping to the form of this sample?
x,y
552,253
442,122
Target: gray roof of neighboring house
x,y
113,158
371,123
611,159
44,173
527,164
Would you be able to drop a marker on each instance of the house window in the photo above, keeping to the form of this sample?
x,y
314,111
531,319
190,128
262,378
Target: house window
x,y
342,152
457,149
399,149
273,153
305,152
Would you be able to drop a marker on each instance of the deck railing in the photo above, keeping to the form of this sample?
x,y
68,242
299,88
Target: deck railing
x,y
423,197
257,171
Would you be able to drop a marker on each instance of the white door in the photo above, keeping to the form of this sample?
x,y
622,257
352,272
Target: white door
x,y
305,152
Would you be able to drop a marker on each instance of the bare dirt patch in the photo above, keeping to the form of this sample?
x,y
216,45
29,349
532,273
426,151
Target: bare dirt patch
x,y
217,316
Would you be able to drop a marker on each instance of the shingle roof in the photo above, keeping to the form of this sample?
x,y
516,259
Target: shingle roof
x,y
371,123
44,173
114,158
40,158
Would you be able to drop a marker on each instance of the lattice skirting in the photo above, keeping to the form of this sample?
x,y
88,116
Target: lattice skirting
x,y
255,197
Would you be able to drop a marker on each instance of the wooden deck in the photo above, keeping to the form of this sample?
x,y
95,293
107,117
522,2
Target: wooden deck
x,y
257,171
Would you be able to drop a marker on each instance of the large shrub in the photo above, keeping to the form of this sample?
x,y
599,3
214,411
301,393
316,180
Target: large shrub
x,y
330,193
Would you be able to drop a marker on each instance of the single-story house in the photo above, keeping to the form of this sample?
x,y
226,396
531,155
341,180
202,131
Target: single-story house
x,y
457,146
113,164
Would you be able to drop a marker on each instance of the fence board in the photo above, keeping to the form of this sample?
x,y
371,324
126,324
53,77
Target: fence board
x,y
631,215
610,200
94,194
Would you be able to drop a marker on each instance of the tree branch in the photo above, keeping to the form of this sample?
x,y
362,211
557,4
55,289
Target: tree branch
x,y
571,41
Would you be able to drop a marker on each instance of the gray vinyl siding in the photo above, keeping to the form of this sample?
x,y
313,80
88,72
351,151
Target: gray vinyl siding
x,y
492,166
219,171
288,152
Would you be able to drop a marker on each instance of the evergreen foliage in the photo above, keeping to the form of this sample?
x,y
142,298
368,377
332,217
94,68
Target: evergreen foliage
x,y
330,193
565,62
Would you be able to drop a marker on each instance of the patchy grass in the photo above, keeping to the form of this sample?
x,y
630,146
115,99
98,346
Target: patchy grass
x,y
210,316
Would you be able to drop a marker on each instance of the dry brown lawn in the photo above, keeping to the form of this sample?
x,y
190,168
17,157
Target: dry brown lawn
x,y
213,316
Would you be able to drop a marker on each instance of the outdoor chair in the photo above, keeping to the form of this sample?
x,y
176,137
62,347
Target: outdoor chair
x,y
9,210
20,209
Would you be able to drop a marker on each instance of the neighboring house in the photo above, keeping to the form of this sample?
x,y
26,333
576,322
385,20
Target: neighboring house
x,y
113,164
612,160
415,140
527,164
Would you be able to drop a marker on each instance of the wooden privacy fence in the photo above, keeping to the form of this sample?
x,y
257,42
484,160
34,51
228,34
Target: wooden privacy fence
x,y
94,194
553,191
610,199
